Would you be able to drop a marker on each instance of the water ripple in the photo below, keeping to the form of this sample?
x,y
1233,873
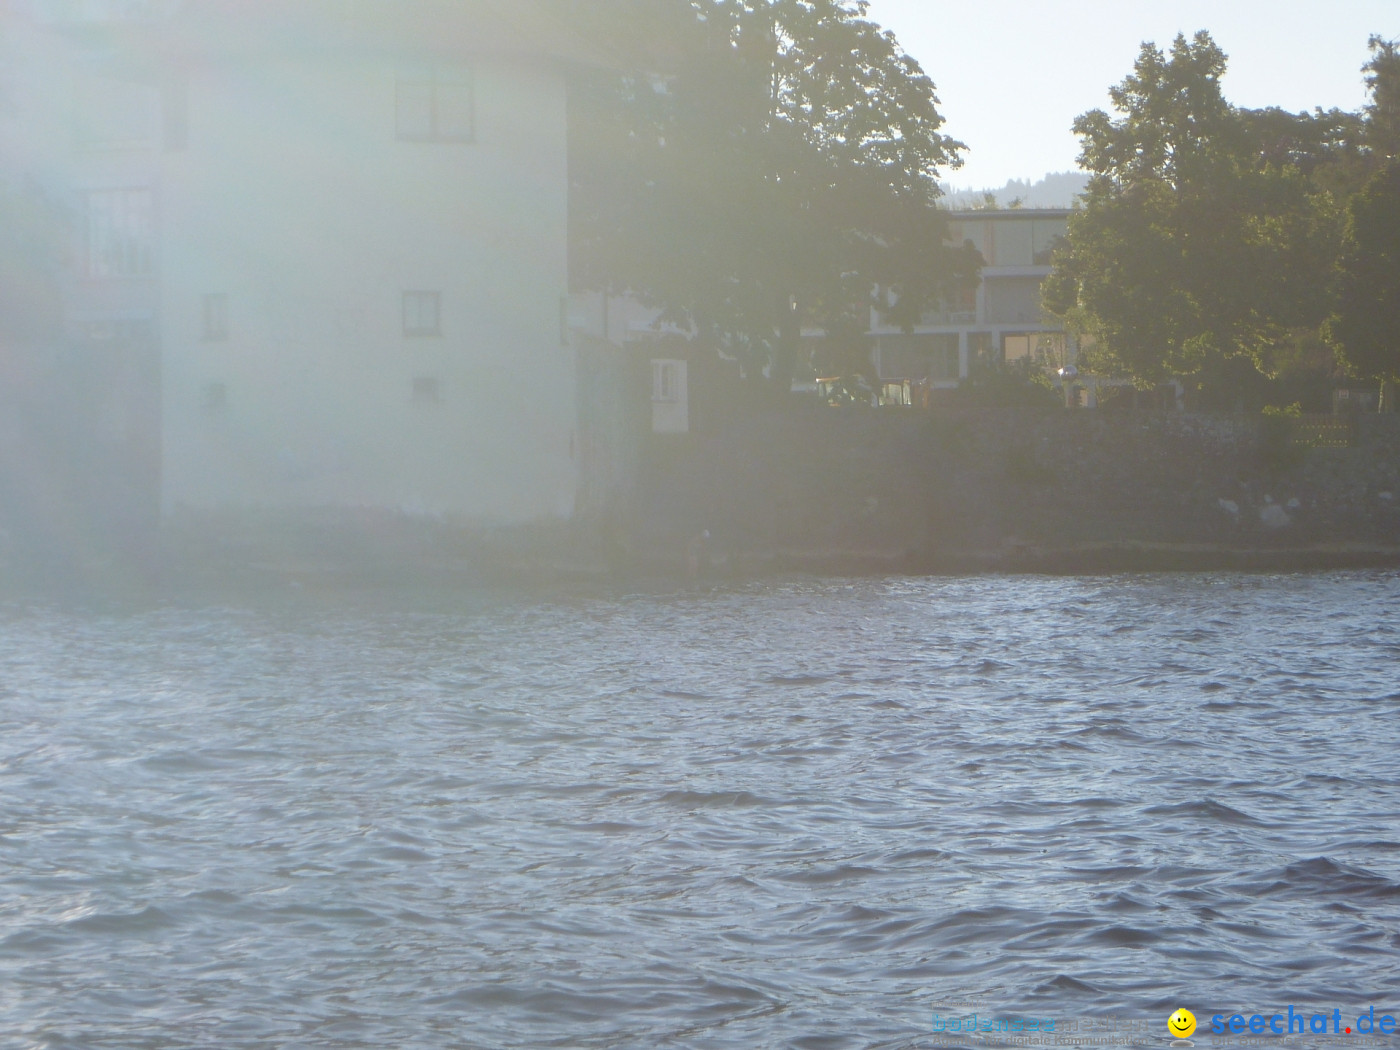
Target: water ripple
x,y
786,814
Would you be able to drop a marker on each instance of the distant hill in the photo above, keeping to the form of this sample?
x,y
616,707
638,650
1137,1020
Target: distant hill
x,y
1056,190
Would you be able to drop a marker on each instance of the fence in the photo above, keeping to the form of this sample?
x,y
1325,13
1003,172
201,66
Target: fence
x,y
1322,431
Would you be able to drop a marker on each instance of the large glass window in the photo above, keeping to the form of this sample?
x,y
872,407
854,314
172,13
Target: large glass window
x,y
932,357
1047,233
1012,242
1013,300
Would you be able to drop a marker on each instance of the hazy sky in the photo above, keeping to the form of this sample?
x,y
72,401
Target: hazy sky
x,y
1013,74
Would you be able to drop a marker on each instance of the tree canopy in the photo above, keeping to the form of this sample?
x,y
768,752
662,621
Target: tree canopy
x,y
1383,111
778,169
1202,238
1366,326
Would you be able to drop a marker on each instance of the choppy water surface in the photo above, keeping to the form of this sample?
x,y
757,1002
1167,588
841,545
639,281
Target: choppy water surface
x,y
786,814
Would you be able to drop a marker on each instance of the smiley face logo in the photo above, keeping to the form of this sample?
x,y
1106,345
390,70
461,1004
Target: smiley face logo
x,y
1182,1023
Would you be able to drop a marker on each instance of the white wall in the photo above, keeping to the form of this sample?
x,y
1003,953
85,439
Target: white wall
x,y
295,199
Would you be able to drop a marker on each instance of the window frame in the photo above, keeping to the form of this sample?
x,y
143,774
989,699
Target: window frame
x,y
215,310
438,79
426,390
665,381
413,327
128,226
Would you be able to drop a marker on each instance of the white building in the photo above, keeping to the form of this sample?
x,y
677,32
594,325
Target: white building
x,y
335,229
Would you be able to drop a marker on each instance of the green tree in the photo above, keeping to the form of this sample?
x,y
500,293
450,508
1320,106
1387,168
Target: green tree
x,y
1383,111
1365,330
783,173
1202,238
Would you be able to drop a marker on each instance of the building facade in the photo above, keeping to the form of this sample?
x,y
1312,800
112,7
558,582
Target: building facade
x,y
328,239
1002,321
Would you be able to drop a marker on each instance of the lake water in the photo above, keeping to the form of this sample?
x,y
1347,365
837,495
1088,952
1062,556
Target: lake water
x,y
803,813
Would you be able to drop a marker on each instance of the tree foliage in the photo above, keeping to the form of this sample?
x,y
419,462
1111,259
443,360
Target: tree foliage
x,y
782,167
1383,111
1203,237
1366,326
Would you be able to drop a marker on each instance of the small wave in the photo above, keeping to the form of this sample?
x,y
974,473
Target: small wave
x,y
1062,983
860,913
1121,937
1097,802
1113,873
714,799
183,762
30,942
214,897
148,919
1324,877
333,916
1321,778
1112,732
401,854
977,921
1206,809
1125,902
827,876
924,854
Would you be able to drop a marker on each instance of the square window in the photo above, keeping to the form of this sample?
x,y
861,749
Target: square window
x,y
413,106
425,390
422,313
215,317
435,105
453,104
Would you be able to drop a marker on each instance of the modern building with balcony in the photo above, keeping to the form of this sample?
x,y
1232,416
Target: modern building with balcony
x,y
1002,320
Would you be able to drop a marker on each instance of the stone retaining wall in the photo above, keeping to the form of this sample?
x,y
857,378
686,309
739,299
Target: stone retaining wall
x,y
810,483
